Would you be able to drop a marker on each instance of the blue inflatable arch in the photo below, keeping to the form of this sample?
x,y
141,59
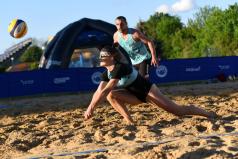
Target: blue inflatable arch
x,y
84,33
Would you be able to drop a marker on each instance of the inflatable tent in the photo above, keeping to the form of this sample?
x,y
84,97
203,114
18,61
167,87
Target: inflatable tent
x,y
84,33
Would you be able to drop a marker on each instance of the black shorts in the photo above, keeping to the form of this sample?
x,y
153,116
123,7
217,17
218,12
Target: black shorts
x,y
143,67
140,88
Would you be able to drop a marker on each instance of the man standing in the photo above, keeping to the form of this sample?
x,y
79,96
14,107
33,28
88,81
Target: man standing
x,y
133,42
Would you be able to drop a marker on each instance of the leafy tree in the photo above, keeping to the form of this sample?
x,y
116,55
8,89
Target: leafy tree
x,y
3,68
202,39
201,17
212,32
33,65
231,30
161,27
217,37
32,54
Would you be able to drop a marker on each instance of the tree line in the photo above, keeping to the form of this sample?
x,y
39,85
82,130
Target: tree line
x,y
211,32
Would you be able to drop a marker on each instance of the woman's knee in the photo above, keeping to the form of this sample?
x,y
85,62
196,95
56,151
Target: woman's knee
x,y
154,91
111,96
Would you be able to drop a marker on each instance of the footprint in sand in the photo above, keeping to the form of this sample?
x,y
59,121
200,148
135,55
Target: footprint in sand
x,y
84,137
235,149
129,136
230,118
229,128
195,143
110,135
24,141
206,153
201,128
3,138
130,128
98,136
216,142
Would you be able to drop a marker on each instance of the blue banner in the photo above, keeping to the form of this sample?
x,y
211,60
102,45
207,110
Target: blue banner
x,y
193,69
25,83
87,79
4,84
64,80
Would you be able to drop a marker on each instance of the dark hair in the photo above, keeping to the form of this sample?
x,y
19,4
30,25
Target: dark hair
x,y
122,18
111,49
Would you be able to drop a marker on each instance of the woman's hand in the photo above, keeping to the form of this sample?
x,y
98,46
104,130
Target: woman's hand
x,y
89,113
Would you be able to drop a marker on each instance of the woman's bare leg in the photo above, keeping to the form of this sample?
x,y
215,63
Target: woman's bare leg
x,y
125,96
157,98
118,98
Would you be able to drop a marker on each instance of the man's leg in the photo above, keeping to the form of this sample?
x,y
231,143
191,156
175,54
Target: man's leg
x,y
142,68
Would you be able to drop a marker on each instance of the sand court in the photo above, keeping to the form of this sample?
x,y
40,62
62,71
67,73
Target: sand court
x,y
54,125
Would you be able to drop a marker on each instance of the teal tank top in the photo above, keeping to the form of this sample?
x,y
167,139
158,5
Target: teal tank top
x,y
125,80
135,49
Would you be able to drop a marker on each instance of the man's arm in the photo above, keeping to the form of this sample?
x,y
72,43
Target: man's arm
x,y
115,38
138,35
103,90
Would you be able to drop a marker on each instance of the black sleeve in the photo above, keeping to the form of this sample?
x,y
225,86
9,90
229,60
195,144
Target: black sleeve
x,y
104,76
119,71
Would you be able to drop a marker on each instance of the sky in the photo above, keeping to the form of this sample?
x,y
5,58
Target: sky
x,y
46,17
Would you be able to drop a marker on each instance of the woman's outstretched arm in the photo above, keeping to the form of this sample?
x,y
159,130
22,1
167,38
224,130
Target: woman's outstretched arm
x,y
103,90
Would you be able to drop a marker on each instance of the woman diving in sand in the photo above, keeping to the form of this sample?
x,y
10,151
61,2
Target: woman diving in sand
x,y
121,84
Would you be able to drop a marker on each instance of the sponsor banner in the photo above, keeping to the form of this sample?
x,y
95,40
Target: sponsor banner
x,y
87,79
25,83
49,81
193,69
61,80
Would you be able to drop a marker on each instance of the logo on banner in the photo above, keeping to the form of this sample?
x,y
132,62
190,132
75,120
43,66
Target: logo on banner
x,y
96,77
27,82
193,69
224,67
161,71
61,80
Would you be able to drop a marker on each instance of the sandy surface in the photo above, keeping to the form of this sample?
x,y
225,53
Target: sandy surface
x,y
54,125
